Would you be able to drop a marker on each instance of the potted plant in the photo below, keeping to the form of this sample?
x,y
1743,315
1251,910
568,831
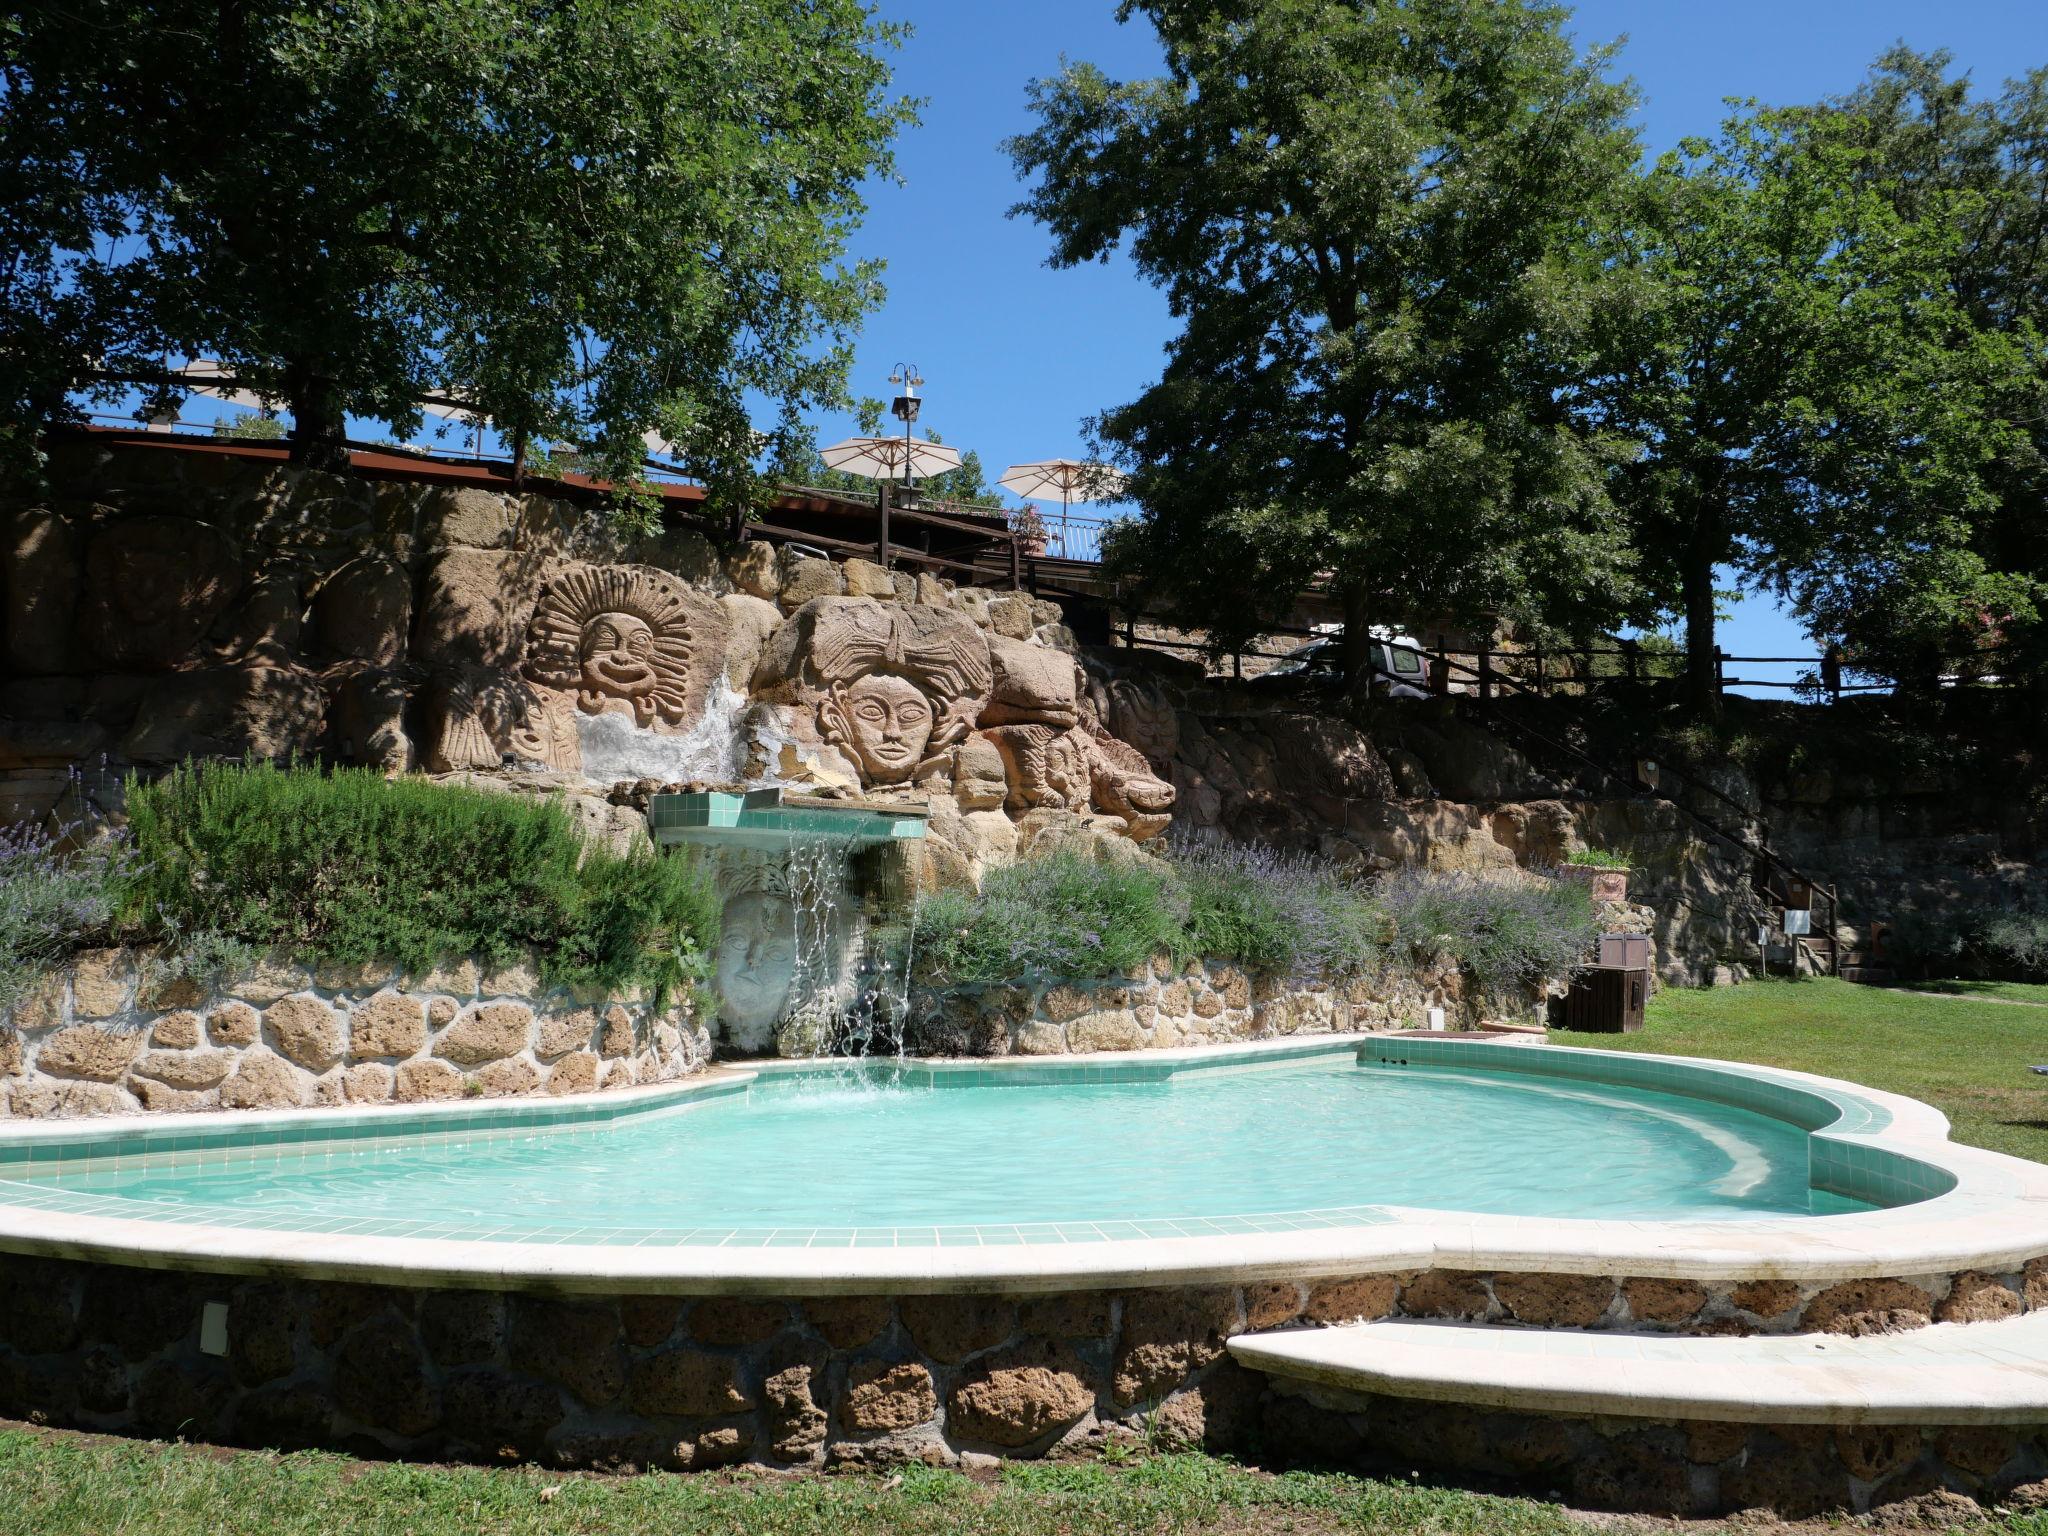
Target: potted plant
x,y
1030,530
1604,874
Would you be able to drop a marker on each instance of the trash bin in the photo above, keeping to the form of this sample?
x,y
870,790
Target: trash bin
x,y
1604,999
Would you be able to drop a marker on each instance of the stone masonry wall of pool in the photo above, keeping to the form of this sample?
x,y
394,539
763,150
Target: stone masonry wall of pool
x,y
696,1356
103,1036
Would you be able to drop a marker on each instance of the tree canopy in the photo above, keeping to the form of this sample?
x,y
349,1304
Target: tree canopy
x,y
1365,219
1936,149
1803,396
589,221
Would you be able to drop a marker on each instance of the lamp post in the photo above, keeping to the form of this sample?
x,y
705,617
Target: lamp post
x,y
904,408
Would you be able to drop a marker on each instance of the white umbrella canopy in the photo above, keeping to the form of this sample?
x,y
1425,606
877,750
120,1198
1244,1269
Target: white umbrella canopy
x,y
888,458
1063,480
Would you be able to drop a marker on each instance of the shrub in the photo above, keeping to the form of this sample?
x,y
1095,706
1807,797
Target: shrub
x,y
2018,940
1060,915
53,898
347,867
1277,914
1507,932
1597,858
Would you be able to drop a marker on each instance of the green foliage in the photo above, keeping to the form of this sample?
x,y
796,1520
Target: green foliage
x,y
1278,914
1062,915
590,221
1366,219
1804,399
52,899
1504,932
2019,940
1291,916
61,1484
250,429
1941,152
349,867
1597,858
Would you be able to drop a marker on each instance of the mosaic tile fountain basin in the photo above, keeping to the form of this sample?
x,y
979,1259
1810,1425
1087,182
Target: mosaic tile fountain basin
x,y
1291,1157
778,819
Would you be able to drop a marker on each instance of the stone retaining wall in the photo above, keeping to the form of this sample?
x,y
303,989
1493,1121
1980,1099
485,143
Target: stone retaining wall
x,y
1199,1003
675,1382
103,1037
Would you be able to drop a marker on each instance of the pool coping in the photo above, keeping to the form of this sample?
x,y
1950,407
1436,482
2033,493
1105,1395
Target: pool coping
x,y
1995,1218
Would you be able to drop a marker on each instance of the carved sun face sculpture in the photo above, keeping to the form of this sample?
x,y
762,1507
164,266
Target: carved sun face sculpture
x,y
626,637
618,656
887,722
756,962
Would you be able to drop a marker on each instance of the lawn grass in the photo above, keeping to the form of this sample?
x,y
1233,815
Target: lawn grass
x,y
2005,991
1967,1058
54,1484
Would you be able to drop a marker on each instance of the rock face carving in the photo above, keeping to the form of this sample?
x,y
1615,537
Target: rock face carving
x,y
756,961
1079,770
1123,784
895,687
478,722
154,586
629,635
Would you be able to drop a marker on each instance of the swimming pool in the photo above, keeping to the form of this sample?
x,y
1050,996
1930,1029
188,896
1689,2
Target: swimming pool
x,y
880,1155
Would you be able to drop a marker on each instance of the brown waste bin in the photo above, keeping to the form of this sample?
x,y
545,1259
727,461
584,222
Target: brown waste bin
x,y
1604,999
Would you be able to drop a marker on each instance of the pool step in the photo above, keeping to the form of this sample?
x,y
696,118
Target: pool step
x,y
1949,1373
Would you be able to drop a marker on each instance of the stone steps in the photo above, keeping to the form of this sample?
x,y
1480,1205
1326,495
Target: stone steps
x,y
1947,1374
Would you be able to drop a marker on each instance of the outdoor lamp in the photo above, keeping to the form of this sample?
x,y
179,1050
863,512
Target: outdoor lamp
x,y
904,407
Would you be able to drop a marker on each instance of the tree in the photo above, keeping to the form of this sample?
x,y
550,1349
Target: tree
x,y
1363,217
590,221
1776,342
1936,149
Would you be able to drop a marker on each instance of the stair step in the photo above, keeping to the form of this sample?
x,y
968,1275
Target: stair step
x,y
1949,1373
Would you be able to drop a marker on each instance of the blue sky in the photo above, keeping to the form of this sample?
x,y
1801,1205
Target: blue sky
x,y
1015,354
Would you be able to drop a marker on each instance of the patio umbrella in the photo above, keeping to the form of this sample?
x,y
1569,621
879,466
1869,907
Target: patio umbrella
x,y
1071,480
887,458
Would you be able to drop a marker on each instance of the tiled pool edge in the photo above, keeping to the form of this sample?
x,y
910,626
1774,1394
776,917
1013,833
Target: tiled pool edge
x,y
1845,1127
1994,1220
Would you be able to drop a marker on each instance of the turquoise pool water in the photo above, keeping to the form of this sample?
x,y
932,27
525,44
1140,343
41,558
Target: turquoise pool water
x,y
856,1160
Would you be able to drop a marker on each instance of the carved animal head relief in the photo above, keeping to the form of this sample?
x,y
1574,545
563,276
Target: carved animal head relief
x,y
900,685
628,634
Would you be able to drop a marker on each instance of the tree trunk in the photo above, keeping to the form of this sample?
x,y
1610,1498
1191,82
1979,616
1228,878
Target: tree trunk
x,y
317,427
1357,648
1702,682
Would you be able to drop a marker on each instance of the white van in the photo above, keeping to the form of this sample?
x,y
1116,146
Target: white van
x,y
1400,670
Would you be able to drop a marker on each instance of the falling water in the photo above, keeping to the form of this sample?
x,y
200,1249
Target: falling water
x,y
850,989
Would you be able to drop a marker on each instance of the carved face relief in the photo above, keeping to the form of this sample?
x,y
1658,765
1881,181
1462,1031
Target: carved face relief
x,y
627,635
618,656
756,962
894,686
885,721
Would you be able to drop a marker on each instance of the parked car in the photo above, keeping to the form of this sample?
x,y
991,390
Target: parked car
x,y
1399,669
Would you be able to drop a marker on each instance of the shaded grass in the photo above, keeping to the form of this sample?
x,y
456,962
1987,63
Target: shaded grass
x,y
2007,991
1968,1059
79,1485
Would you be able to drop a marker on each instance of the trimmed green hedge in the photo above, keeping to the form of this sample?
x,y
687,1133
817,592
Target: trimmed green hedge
x,y
347,866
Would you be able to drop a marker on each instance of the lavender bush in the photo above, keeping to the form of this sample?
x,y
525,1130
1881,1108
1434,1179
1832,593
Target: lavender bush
x,y
1505,932
1277,913
53,897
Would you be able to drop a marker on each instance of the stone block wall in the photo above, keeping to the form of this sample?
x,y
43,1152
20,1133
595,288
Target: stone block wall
x,y
1196,1003
649,1381
103,1036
